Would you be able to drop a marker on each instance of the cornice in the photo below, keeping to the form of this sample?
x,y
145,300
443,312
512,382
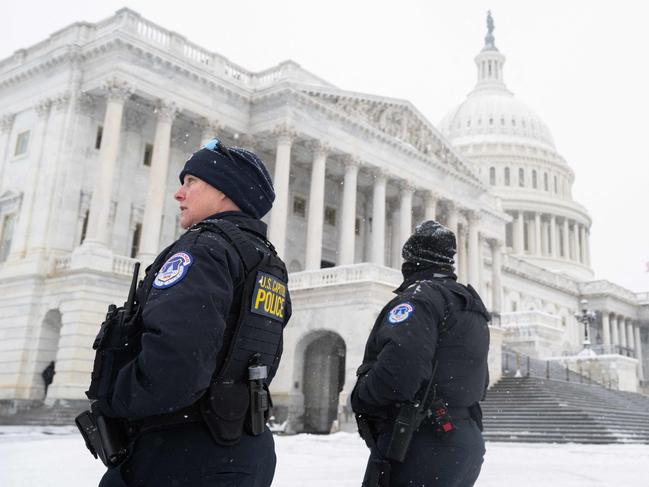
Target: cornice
x,y
517,267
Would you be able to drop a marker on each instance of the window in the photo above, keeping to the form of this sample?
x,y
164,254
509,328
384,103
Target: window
x,y
535,182
5,237
330,216
84,227
492,176
135,242
357,226
325,264
22,142
98,136
521,177
545,181
507,177
299,206
148,153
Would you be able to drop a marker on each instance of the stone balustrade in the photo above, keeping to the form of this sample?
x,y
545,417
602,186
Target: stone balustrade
x,y
344,274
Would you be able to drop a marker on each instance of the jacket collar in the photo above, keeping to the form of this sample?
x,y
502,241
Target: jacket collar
x,y
241,220
423,275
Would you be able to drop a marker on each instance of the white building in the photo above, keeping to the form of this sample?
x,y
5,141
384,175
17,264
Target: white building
x,y
98,119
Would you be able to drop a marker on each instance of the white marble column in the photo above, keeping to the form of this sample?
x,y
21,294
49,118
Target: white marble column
x,y
496,275
566,239
615,335
544,239
395,250
378,217
430,206
157,187
638,351
452,224
519,233
473,257
316,206
6,124
117,94
461,256
582,244
23,225
405,211
622,331
554,238
537,234
630,336
606,329
279,214
574,241
348,219
587,247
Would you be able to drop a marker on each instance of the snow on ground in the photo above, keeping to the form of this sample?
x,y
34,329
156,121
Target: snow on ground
x,y
57,457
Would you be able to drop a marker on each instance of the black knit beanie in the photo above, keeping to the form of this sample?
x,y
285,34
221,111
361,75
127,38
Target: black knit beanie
x,y
432,246
243,178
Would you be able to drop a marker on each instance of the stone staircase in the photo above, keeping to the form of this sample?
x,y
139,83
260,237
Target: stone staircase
x,y
531,409
36,413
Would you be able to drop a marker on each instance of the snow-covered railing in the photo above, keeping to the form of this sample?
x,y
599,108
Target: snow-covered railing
x,y
344,274
524,318
123,265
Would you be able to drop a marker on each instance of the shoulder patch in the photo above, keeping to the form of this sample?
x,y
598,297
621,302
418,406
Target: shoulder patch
x,y
173,270
400,313
269,296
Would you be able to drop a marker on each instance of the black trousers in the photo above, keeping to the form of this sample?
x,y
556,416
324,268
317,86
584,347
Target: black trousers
x,y
453,460
186,455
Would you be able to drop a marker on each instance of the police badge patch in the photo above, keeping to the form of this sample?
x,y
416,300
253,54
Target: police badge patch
x,y
400,313
173,270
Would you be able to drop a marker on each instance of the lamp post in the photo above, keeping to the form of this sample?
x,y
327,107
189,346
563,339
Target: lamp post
x,y
586,317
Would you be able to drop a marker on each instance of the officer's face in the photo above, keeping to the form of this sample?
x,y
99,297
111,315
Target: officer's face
x,y
198,200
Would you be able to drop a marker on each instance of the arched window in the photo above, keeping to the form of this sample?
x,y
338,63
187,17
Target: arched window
x,y
492,176
507,177
534,179
521,177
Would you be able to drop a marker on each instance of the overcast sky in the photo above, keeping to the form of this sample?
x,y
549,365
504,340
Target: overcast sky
x,y
581,65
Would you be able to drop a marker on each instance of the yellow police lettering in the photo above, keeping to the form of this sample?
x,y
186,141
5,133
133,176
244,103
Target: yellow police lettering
x,y
261,296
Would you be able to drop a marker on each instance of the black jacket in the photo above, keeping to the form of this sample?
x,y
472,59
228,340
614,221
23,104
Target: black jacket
x,y
411,333
187,322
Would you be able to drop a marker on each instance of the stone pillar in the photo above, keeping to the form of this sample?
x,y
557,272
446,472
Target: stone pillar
x,y
630,336
157,187
117,94
582,244
23,225
622,331
554,238
316,207
378,217
474,250
587,246
638,351
496,275
606,329
395,253
279,213
348,219
566,239
574,241
461,260
545,246
615,339
430,206
519,233
405,211
537,234
452,217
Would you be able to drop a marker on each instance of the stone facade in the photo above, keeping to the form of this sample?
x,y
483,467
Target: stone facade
x,y
96,123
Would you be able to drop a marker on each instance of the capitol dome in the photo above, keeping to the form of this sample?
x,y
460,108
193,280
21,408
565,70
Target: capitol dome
x,y
514,153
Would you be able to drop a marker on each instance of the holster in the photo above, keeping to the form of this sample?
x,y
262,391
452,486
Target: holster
x,y
105,437
224,409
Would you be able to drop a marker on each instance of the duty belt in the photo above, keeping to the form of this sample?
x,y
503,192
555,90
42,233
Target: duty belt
x,y
190,414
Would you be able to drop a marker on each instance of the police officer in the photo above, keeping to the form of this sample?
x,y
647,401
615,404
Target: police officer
x,y
434,327
190,302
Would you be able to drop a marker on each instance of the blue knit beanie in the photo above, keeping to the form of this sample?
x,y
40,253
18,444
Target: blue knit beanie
x,y
236,172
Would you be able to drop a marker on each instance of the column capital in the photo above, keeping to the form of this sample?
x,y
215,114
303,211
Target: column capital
x,y
319,148
118,90
6,122
285,132
379,174
61,101
248,141
43,107
495,244
472,216
406,186
166,111
430,195
351,161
